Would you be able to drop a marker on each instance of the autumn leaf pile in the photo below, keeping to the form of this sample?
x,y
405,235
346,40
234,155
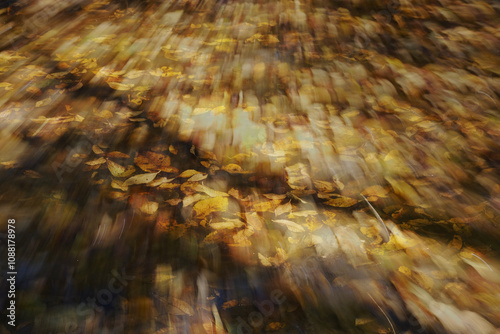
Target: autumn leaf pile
x,y
343,152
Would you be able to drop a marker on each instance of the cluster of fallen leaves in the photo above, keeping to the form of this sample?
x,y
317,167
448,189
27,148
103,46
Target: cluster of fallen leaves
x,y
319,133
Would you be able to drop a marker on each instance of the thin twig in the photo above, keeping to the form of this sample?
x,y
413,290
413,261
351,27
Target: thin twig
x,y
377,216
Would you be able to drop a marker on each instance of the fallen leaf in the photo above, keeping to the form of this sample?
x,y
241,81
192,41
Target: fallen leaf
x,y
210,192
97,149
342,202
198,177
119,85
189,173
375,190
44,102
264,260
140,179
116,154
154,162
99,161
292,226
209,205
285,208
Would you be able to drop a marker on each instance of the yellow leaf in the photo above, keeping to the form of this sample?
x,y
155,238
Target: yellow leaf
x,y
198,177
118,185
305,213
285,208
234,168
189,173
43,102
264,260
263,206
149,207
424,280
228,224
375,190
324,186
172,149
34,90
275,196
120,86
140,179
115,168
405,270
342,202
209,205
210,192
188,200
294,227
99,161
97,149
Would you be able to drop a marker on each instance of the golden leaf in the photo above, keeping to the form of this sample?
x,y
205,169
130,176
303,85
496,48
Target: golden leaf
x,y
342,202
34,90
264,206
375,190
188,200
305,213
405,270
140,179
198,177
285,208
189,173
209,205
118,185
210,192
264,260
149,207
254,220
119,85
154,162
118,170
97,149
44,102
294,227
228,224
324,186
99,161
234,168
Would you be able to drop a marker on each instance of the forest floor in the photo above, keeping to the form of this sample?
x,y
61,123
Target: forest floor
x,y
249,167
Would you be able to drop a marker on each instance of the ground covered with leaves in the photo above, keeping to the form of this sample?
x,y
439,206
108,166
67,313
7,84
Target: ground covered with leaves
x,y
250,167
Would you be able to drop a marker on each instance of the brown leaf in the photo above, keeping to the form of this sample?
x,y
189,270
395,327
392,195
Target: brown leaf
x,y
180,307
154,162
342,202
116,154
